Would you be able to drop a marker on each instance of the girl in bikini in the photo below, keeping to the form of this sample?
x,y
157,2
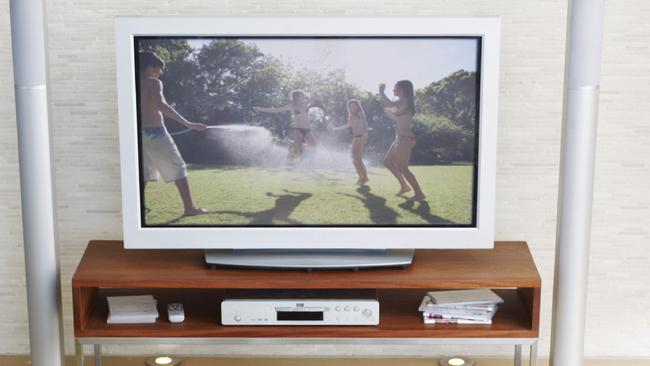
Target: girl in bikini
x,y
399,154
301,128
359,125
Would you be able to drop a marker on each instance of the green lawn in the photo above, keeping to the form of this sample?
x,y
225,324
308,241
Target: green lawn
x,y
284,196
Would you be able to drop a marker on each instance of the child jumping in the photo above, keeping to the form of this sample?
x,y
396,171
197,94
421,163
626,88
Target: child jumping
x,y
300,126
160,155
399,154
359,124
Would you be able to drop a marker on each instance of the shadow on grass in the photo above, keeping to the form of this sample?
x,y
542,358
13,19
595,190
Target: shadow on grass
x,y
284,206
376,205
424,211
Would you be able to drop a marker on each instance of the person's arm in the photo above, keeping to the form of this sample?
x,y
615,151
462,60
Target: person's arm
x,y
384,99
341,127
391,114
170,112
285,108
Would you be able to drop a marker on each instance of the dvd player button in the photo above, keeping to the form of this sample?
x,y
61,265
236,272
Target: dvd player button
x,y
338,308
367,313
237,318
356,308
347,308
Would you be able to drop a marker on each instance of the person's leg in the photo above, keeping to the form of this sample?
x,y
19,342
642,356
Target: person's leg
x,y
144,189
389,163
149,173
170,164
356,161
402,158
188,204
309,138
297,142
358,154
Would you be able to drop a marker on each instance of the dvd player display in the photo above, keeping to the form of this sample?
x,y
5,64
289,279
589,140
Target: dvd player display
x,y
300,307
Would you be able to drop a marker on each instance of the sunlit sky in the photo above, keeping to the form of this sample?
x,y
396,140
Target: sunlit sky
x,y
368,62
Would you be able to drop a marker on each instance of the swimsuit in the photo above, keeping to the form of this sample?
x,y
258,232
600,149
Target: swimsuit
x,y
301,120
405,140
403,130
153,132
364,134
399,112
360,131
303,131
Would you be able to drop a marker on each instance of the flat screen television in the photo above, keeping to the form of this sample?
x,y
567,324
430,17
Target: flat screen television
x,y
313,134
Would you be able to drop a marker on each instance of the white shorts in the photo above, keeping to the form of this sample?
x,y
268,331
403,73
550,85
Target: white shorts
x,y
160,156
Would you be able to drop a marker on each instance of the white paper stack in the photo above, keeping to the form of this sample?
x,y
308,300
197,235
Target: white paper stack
x,y
132,309
460,306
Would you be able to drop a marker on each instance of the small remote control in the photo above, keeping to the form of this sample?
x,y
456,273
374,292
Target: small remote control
x,y
175,312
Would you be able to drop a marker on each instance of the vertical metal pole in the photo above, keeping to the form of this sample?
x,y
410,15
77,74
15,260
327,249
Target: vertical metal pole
x,y
78,353
581,84
517,354
36,182
532,356
98,354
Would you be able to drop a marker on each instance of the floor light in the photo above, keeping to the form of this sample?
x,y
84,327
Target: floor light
x,y
455,361
163,361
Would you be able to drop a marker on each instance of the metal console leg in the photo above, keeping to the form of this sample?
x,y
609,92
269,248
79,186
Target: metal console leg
x,y
533,354
78,353
517,354
98,355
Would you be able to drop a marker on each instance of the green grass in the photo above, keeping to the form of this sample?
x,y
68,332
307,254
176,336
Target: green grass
x,y
282,196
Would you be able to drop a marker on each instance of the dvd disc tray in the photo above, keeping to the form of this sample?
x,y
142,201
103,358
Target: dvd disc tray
x,y
300,307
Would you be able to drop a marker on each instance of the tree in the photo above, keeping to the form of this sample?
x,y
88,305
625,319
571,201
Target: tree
x,y
179,77
440,140
223,80
453,97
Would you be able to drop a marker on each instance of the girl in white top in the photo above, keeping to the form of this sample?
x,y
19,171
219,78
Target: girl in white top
x,y
301,128
359,124
399,154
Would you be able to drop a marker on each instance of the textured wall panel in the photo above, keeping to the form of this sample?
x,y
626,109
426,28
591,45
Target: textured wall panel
x,y
84,113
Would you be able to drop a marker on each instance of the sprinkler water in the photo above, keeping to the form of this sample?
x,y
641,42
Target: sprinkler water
x,y
256,146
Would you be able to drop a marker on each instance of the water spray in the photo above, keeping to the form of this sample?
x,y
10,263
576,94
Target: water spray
x,y
190,129
242,144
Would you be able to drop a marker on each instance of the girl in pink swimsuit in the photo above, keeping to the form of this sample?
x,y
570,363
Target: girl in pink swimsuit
x,y
399,154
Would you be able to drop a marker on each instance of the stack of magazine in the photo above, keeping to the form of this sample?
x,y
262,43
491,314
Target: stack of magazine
x,y
460,306
132,309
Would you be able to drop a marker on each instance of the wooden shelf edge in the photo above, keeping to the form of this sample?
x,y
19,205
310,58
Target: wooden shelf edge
x,y
192,283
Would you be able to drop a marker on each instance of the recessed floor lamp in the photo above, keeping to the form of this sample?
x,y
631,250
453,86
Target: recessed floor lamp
x,y
584,43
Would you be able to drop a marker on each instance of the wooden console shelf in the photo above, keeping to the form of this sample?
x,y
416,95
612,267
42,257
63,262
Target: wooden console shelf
x,y
181,276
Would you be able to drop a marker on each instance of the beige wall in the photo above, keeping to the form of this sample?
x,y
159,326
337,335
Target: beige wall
x,y
532,56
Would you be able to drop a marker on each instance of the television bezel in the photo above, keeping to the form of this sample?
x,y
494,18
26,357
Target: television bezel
x,y
393,237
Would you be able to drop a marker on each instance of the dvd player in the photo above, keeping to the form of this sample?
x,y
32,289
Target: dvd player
x,y
300,307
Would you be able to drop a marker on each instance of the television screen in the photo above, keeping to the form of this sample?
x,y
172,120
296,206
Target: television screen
x,y
307,131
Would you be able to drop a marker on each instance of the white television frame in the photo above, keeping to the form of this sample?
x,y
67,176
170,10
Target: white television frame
x,y
136,236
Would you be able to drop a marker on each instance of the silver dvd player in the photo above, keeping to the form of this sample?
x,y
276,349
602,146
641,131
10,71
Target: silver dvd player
x,y
300,307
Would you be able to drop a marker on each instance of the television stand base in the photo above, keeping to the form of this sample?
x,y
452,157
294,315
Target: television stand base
x,y
309,259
